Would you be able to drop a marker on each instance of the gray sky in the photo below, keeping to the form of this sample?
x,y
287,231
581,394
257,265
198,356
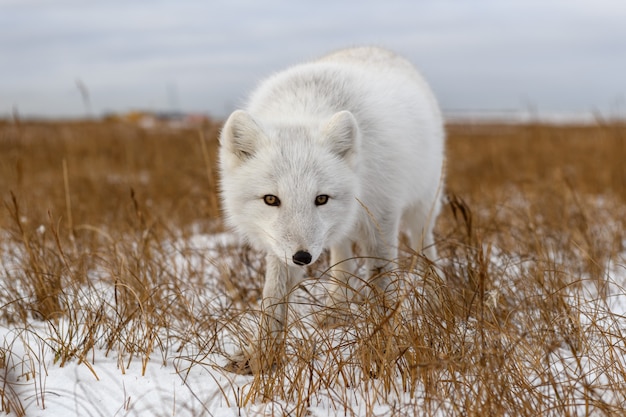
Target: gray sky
x,y
563,56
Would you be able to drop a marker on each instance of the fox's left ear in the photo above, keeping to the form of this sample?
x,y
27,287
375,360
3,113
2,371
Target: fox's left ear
x,y
241,135
341,134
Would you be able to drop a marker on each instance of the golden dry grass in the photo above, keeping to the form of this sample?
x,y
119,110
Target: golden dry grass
x,y
515,320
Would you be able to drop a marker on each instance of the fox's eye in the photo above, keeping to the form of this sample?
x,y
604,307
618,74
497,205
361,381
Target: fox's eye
x,y
320,200
271,200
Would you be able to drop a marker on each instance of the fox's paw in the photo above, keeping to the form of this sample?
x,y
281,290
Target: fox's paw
x,y
239,363
246,362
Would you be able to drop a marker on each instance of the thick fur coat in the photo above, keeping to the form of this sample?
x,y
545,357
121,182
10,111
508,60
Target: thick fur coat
x,y
345,149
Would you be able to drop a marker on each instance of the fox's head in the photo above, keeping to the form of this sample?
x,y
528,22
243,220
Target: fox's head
x,y
290,189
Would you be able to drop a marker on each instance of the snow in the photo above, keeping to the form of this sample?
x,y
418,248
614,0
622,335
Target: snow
x,y
188,382
110,386
113,386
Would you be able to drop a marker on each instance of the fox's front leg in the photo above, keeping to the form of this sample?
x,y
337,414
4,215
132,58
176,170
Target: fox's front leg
x,y
274,304
342,268
265,350
382,256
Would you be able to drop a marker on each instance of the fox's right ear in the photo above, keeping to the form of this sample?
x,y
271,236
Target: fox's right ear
x,y
241,135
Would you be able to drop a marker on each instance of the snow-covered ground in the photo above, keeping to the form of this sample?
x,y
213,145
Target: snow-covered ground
x,y
173,381
185,381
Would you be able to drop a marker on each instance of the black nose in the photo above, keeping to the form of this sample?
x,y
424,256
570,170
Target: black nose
x,y
302,257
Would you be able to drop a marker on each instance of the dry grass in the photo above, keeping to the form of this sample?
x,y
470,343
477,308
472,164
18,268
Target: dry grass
x,y
97,248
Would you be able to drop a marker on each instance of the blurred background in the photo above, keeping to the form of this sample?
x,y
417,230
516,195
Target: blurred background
x,y
562,59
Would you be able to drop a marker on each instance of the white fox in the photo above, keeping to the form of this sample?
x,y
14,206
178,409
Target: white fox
x,y
342,150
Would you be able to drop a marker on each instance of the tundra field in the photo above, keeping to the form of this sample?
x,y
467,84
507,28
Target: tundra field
x,y
122,294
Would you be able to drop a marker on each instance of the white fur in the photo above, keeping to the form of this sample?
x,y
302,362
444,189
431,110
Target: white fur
x,y
359,125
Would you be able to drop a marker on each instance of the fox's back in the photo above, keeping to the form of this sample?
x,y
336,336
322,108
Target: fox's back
x,y
398,116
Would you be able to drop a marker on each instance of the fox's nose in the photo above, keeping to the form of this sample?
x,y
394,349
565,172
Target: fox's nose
x,y
302,257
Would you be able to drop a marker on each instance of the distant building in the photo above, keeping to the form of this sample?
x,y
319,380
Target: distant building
x,y
152,120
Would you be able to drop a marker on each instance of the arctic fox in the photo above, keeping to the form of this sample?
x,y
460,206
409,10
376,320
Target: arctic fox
x,y
345,149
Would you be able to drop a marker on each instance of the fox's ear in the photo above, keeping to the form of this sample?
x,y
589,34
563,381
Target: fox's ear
x,y
341,134
241,135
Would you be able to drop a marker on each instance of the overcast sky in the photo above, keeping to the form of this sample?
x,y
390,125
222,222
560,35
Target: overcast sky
x,y
564,56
